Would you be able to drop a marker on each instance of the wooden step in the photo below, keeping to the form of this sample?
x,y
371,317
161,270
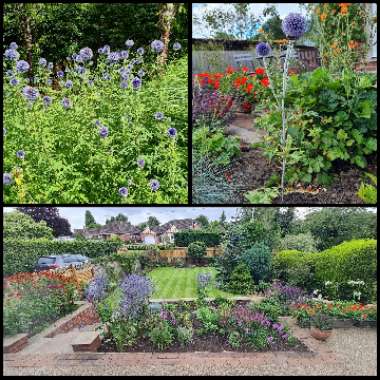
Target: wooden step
x,y
88,341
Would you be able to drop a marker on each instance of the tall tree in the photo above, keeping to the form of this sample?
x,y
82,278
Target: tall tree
x,y
89,219
153,222
166,18
223,218
202,220
286,219
60,226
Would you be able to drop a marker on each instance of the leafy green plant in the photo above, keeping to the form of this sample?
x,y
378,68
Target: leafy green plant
x,y
240,281
270,307
184,335
196,251
321,321
259,260
124,333
368,191
208,318
258,338
234,339
162,335
263,195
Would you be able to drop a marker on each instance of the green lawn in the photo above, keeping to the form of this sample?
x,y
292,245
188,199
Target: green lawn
x,y
181,282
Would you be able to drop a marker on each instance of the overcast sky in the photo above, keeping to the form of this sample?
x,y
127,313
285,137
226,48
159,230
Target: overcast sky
x,y
199,9
136,215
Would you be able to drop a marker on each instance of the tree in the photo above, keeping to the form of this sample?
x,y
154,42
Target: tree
x,y
202,220
118,218
19,225
259,261
286,219
153,222
223,219
89,220
273,25
60,226
166,18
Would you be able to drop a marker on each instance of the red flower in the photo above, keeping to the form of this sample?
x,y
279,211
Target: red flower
x,y
265,82
230,70
260,71
249,88
244,69
216,85
246,106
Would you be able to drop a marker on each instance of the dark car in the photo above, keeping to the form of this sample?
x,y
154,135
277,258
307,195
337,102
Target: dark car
x,y
75,260
50,262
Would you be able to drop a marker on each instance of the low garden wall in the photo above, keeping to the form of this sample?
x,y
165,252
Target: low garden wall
x,y
181,253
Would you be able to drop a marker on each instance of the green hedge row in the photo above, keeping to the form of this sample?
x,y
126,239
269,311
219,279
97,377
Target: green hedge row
x,y
22,255
147,247
184,238
351,260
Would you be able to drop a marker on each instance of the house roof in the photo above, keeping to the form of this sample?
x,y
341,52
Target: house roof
x,y
113,228
180,224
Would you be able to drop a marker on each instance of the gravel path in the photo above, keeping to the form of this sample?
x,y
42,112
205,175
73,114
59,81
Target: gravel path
x,y
348,352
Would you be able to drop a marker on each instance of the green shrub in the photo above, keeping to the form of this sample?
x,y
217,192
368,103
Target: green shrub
x,y
124,333
184,335
301,275
259,260
284,260
196,251
301,242
22,255
240,280
161,336
270,307
208,318
234,339
184,238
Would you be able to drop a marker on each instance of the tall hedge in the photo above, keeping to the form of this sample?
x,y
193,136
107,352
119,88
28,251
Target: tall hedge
x,y
184,238
22,255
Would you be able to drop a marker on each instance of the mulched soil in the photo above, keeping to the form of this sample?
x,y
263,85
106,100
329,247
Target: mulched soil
x,y
252,170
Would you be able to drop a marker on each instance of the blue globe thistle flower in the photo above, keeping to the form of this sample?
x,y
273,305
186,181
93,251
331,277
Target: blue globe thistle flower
x,y
124,84
47,100
124,73
9,73
13,45
172,132
103,132
154,184
11,54
124,54
66,103
136,83
140,51
123,191
90,82
80,70
42,62
30,93
7,178
263,49
159,116
177,46
104,50
50,66
157,46
113,57
20,154
141,73
129,43
22,66
49,82
14,82
294,25
106,76
69,84
140,163
78,58
86,54
98,123
60,74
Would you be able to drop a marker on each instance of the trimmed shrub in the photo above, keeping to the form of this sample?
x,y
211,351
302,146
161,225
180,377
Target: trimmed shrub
x,y
284,260
301,242
22,255
259,260
196,251
241,280
184,238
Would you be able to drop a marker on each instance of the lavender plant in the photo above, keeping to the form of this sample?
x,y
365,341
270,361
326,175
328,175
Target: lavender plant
x,y
97,288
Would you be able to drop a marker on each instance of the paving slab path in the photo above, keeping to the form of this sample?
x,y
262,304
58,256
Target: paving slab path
x,y
350,351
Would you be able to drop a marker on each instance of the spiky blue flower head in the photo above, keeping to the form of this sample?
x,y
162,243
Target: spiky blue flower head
x,y
7,179
124,84
157,46
113,57
86,54
50,66
14,82
124,73
263,49
159,116
22,66
66,103
69,84
136,83
78,58
129,43
140,163
139,61
11,54
177,46
294,25
42,62
60,74
141,73
154,184
80,70
9,73
13,45
104,50
172,132
47,100
123,191
30,93
124,54
20,154
106,76
140,51
98,123
103,132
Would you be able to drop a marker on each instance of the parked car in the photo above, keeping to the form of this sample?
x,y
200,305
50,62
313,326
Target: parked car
x,y
50,262
75,260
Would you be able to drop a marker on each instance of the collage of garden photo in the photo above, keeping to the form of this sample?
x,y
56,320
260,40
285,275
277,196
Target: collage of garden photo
x,y
189,189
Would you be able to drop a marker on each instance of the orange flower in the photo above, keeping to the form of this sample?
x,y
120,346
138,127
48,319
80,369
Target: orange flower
x,y
353,44
230,70
364,316
261,30
343,9
323,17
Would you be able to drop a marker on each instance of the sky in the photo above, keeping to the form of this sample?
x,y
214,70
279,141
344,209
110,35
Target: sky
x,y
199,9
136,215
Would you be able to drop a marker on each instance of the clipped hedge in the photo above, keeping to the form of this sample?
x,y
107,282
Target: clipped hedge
x,y
147,247
184,238
22,255
351,260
